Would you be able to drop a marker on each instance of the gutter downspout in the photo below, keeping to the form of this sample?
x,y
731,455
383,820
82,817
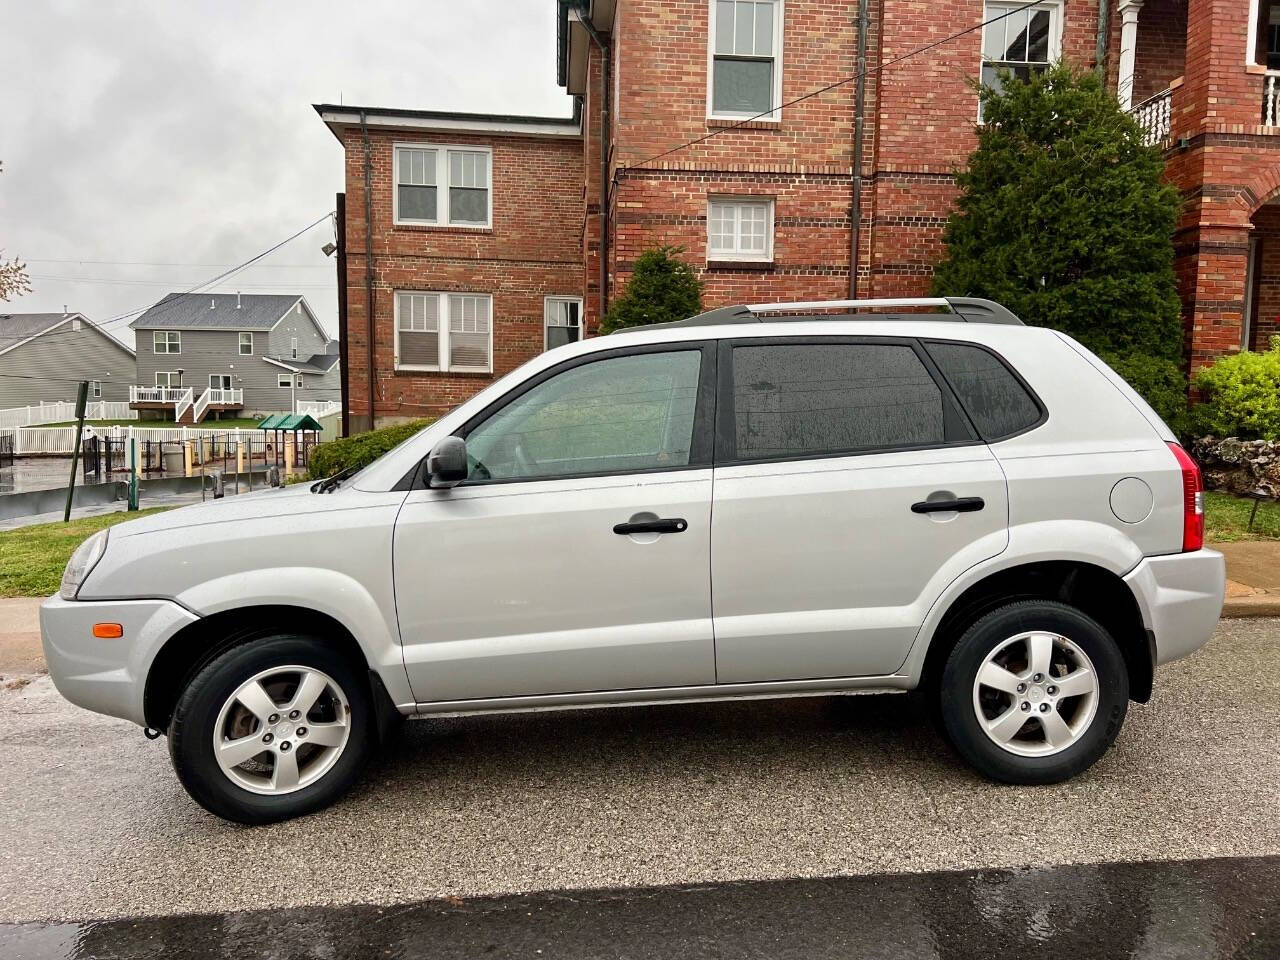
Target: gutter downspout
x,y
345,380
859,120
606,83
1104,38
368,249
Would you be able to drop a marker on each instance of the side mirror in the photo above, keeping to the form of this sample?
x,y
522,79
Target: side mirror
x,y
447,463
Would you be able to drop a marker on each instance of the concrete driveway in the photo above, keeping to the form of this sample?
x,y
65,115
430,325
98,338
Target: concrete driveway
x,y
93,824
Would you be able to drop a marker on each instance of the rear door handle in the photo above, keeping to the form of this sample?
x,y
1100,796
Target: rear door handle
x,y
958,505
672,525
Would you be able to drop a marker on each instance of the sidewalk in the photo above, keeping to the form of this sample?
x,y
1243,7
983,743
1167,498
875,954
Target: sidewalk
x,y
1253,578
1253,590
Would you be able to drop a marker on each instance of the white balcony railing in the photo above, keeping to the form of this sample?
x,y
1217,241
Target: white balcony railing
x,y
1154,115
139,394
1271,100
183,404
233,397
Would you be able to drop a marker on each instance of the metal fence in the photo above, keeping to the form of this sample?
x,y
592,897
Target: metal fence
x,y
6,450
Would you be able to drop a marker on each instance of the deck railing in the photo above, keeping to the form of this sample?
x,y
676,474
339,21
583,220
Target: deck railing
x,y
1271,100
217,396
1154,115
138,394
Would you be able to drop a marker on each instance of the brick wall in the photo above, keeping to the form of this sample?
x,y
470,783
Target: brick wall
x,y
1266,291
532,250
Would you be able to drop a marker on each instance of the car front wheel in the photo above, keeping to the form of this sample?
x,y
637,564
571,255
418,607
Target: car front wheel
x,y
1034,692
272,729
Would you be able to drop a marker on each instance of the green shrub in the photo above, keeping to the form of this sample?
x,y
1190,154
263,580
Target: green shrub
x,y
662,288
1160,382
360,450
1241,395
1065,218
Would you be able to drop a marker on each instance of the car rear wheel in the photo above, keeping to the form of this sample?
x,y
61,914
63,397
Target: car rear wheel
x,y
272,729
1034,692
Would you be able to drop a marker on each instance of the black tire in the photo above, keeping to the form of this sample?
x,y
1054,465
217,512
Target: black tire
x,y
195,717
956,692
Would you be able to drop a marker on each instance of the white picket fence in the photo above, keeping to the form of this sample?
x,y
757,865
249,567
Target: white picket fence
x,y
52,441
61,410
319,408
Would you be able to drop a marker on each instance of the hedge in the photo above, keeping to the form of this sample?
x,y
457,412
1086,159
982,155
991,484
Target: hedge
x,y
361,449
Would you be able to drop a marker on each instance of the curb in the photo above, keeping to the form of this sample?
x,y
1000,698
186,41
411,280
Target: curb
x,y
1258,606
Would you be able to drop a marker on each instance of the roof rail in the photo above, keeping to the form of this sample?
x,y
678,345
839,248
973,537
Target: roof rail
x,y
962,310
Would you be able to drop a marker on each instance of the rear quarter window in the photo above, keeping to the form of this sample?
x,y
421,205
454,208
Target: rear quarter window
x,y
995,398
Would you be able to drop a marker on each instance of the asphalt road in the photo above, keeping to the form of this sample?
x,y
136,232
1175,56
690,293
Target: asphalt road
x,y
94,829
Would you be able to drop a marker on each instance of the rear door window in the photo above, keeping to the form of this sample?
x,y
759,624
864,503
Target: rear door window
x,y
794,400
996,400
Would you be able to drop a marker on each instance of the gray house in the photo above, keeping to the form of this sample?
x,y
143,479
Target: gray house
x,y
243,355
42,355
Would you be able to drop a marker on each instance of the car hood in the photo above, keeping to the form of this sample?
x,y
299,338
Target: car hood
x,y
272,501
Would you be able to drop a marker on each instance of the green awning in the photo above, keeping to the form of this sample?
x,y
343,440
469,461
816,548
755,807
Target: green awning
x,y
290,421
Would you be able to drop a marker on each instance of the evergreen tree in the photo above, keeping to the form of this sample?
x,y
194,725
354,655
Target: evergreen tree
x,y
662,288
1063,218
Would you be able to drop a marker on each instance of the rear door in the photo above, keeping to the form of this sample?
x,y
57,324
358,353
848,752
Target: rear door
x,y
848,485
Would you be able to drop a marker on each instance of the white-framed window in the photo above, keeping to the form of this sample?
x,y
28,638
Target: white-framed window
x,y
444,331
166,341
168,378
293,348
246,344
95,389
1024,43
744,61
219,381
439,185
284,381
562,321
739,228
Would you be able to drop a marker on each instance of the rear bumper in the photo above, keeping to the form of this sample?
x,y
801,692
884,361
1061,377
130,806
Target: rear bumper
x,y
1180,596
106,676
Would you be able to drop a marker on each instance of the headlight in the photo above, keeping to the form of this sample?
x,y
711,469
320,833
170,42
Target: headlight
x,y
82,561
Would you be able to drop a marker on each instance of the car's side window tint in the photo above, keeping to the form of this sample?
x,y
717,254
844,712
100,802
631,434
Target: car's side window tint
x,y
619,414
810,399
997,403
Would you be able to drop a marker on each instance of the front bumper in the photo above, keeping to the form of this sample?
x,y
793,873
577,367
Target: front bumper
x,y
106,676
1180,596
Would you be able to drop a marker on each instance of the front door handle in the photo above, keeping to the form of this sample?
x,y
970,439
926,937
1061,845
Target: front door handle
x,y
673,525
958,505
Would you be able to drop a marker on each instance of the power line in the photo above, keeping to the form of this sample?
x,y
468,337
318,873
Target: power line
x,y
119,281
829,87
150,263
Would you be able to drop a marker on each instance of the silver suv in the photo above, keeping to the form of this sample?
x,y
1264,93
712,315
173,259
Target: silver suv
x,y
761,501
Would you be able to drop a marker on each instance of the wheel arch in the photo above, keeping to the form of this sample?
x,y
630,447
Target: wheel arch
x,y
1091,588
185,653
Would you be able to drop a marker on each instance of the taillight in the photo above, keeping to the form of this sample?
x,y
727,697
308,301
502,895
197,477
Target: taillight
x,y
1192,500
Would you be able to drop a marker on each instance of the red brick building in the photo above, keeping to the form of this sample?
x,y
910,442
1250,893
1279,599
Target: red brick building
x,y
488,231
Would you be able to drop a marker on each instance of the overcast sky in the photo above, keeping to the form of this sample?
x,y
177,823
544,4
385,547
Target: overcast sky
x,y
148,146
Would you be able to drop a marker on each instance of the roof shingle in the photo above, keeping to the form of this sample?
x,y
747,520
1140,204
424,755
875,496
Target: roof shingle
x,y
216,311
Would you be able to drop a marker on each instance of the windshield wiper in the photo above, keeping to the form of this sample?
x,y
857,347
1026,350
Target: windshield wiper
x,y
329,484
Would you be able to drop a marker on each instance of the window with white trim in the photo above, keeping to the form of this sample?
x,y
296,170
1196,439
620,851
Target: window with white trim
x,y
168,378
219,381
444,331
166,341
1023,42
284,380
739,229
246,344
95,389
744,77
562,318
443,186
293,348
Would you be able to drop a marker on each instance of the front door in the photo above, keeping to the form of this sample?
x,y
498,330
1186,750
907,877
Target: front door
x,y
835,458
576,556
219,381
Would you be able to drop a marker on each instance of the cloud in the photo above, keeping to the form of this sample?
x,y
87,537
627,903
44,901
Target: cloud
x,y
182,133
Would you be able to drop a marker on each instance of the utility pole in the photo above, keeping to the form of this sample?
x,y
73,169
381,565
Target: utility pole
x,y
82,398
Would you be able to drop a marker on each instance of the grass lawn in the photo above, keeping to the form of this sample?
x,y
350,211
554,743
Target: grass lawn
x,y
1226,518
32,558
206,424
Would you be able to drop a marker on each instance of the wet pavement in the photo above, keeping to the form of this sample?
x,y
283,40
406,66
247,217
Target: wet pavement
x,y
1143,911
95,831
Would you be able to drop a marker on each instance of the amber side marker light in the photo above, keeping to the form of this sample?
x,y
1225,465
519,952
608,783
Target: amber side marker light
x,y
108,631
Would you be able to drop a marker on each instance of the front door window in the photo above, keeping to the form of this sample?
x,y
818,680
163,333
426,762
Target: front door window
x,y
618,415
219,382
